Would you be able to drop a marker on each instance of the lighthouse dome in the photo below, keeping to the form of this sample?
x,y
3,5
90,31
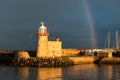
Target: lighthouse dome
x,y
42,28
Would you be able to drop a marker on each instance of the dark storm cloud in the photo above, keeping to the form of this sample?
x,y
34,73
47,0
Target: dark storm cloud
x,y
64,18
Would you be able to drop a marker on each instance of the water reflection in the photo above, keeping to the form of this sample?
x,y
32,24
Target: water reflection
x,y
49,73
77,72
23,73
110,72
92,72
80,72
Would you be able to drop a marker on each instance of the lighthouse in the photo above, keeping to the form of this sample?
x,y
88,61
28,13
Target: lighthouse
x,y
47,48
42,45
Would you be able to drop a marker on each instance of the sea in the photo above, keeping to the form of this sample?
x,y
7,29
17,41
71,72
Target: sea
x,y
76,72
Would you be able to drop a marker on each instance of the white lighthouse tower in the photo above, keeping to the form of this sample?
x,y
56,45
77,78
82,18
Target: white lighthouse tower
x,y
42,45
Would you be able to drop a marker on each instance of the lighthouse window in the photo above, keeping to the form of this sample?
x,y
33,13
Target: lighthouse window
x,y
40,30
45,30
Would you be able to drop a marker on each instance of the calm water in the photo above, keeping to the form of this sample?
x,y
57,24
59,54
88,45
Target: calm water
x,y
77,72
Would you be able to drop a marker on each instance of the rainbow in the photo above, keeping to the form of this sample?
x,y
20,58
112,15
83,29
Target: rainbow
x,y
91,24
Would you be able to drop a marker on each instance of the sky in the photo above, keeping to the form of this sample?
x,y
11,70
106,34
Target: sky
x,y
78,23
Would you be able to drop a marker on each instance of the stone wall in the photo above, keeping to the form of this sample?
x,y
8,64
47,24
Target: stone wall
x,y
71,52
110,60
54,48
82,60
22,54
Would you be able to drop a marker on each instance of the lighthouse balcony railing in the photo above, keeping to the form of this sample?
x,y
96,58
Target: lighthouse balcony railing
x,y
42,34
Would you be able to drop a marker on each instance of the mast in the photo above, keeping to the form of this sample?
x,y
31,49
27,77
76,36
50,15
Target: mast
x,y
30,42
117,40
108,40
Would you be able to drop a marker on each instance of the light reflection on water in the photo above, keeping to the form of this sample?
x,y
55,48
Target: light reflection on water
x,y
77,72
49,73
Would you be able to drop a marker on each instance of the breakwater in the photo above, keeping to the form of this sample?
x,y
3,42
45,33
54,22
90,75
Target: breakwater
x,y
83,60
59,62
96,60
107,60
22,59
66,61
43,62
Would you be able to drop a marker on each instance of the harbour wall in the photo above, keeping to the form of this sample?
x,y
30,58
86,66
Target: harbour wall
x,y
96,60
108,60
65,52
83,60
71,52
